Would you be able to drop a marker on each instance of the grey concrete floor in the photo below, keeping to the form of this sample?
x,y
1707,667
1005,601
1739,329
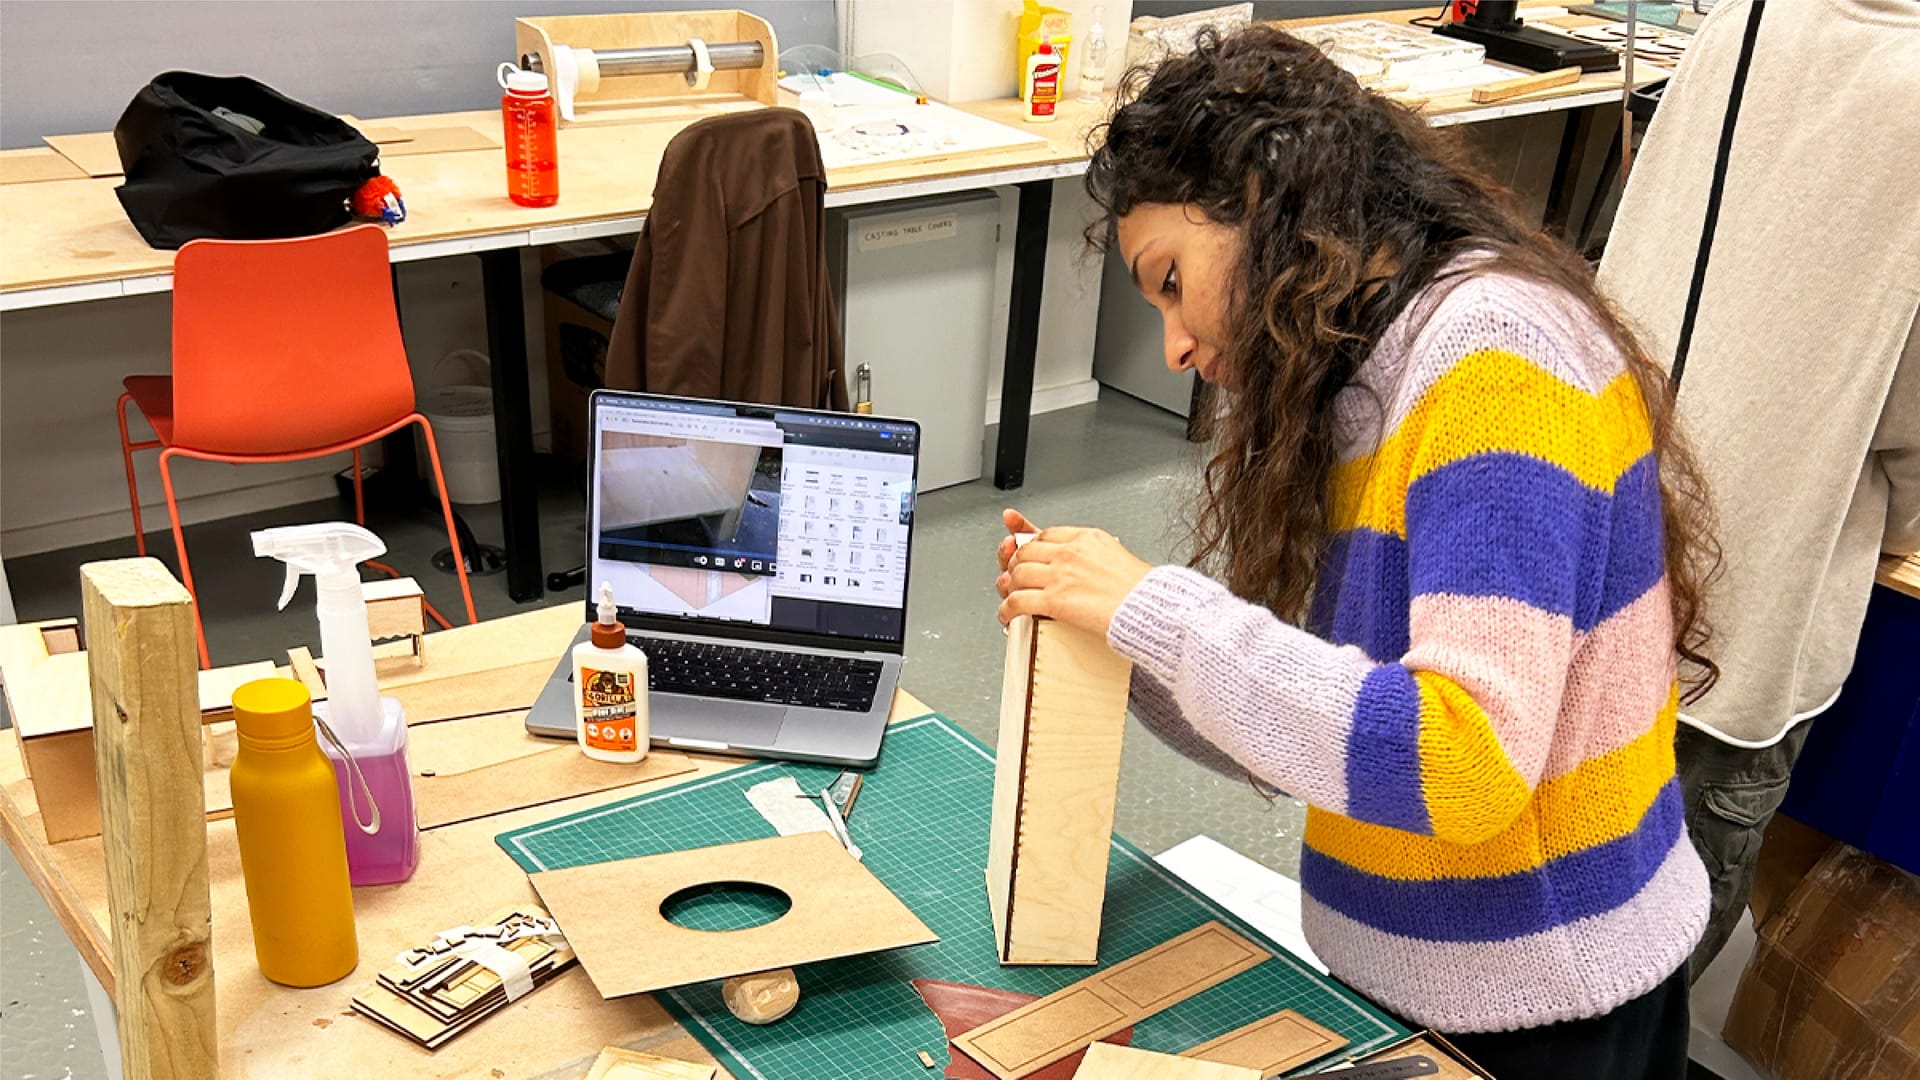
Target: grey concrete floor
x,y
1118,464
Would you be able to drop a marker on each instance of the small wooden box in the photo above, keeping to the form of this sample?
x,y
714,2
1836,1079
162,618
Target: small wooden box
x,y
1063,714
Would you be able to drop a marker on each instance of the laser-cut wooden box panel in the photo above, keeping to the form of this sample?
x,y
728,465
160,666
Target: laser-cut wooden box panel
x,y
1063,712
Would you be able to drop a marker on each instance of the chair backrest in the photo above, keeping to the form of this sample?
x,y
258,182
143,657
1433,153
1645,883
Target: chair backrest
x,y
281,346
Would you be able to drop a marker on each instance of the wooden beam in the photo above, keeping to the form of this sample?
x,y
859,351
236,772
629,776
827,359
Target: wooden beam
x,y
146,721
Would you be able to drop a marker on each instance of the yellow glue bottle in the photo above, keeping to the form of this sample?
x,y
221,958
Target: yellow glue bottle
x,y
610,690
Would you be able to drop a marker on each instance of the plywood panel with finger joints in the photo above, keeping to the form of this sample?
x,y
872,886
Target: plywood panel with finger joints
x,y
1063,714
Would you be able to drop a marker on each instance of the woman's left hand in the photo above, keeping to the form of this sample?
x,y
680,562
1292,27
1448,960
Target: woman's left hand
x,y
1072,575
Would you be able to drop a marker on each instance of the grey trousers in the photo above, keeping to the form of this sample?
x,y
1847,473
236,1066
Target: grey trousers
x,y
1731,793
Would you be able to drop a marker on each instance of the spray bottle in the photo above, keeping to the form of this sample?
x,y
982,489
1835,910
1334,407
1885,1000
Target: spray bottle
x,y
364,734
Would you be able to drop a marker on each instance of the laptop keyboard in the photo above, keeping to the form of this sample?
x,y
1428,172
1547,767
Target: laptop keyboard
x,y
707,669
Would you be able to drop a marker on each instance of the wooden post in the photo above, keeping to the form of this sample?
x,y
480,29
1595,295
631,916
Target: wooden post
x,y
146,725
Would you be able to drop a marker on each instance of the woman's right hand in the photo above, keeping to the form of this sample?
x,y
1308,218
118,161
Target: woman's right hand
x,y
1017,524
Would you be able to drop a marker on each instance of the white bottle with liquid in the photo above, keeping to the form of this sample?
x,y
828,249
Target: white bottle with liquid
x,y
610,690
363,733
1093,61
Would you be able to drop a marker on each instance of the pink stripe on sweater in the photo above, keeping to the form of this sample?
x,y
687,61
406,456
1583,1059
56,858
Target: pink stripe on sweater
x,y
1620,678
1497,649
1585,968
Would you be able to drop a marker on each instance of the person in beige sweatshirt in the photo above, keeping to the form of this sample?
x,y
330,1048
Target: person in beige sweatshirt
x,y
1801,386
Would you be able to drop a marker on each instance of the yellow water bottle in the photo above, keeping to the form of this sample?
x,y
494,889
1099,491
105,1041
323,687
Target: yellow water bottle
x,y
293,854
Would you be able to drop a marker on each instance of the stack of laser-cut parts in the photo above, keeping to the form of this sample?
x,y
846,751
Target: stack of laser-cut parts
x,y
435,992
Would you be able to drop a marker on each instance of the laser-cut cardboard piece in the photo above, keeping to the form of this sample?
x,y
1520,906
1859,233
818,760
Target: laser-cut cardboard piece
x,y
1065,1021
611,913
1271,1045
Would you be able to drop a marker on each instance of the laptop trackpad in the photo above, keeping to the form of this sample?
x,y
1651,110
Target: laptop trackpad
x,y
736,723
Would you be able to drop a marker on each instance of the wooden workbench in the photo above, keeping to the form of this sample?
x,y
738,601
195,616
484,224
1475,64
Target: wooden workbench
x,y
1458,106
270,1031
1900,575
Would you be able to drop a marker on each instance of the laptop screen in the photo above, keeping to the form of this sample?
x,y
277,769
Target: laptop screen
x,y
736,517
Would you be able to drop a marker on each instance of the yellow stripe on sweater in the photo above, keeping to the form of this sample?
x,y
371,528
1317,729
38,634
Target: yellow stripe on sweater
x,y
1600,800
1494,401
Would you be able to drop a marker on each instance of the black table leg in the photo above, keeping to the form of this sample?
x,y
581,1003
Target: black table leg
x,y
1573,150
1609,172
512,421
1023,333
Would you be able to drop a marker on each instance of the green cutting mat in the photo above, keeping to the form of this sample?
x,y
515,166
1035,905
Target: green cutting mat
x,y
921,821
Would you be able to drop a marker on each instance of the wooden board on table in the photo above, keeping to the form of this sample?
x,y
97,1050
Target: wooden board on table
x,y
1271,1045
1105,1061
1900,573
94,152
397,142
1063,715
546,777
35,164
1062,1023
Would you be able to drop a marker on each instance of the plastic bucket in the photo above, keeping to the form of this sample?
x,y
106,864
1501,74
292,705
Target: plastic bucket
x,y
462,419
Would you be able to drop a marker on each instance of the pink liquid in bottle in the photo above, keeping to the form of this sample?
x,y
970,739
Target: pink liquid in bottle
x,y
389,851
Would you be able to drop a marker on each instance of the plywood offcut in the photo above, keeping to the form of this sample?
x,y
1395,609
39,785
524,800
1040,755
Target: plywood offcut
x,y
1105,1061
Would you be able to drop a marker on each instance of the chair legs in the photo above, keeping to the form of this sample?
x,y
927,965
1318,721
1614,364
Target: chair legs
x,y
359,510
180,549
133,485
446,511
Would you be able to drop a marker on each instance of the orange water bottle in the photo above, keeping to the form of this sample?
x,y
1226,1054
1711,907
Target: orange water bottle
x,y
293,854
531,128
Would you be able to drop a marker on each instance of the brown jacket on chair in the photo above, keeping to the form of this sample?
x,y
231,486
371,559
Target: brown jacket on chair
x,y
727,296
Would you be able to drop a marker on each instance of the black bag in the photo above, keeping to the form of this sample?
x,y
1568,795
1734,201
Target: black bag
x,y
227,157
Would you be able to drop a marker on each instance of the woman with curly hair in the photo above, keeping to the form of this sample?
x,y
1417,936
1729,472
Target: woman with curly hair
x,y
1449,550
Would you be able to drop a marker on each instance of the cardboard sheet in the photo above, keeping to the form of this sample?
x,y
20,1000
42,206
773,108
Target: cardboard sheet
x,y
1271,1045
839,909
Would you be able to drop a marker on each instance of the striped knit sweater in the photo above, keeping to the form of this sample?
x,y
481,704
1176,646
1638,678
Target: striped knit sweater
x,y
1481,717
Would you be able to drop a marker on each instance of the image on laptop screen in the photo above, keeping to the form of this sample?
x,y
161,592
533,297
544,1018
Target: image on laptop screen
x,y
787,520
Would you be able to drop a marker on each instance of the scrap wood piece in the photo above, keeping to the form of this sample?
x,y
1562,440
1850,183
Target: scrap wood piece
x,y
533,780
615,1063
1039,1034
1271,1045
93,151
961,1007
434,140
1488,93
36,164
839,908
1105,1062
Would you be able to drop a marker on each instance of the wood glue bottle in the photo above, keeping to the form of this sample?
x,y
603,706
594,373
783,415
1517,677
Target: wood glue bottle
x,y
610,690
1042,85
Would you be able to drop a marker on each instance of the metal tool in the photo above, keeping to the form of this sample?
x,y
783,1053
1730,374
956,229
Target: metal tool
x,y
1397,1069
837,800
667,59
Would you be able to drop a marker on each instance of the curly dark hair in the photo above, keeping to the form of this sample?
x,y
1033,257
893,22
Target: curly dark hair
x,y
1349,205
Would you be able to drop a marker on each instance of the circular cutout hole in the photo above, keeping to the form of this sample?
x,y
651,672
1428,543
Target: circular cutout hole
x,y
725,905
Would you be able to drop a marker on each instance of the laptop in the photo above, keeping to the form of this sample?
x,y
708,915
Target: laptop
x,y
759,558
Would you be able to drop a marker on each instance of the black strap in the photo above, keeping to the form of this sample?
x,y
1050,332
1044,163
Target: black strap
x,y
1715,191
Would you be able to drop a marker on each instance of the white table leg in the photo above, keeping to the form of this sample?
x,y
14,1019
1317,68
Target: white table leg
x,y
106,1021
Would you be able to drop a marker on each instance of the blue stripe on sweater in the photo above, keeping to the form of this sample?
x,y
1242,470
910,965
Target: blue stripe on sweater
x,y
1561,891
1383,752
1362,599
1504,524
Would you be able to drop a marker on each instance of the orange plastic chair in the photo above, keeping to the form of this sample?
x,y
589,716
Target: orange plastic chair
x,y
283,350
